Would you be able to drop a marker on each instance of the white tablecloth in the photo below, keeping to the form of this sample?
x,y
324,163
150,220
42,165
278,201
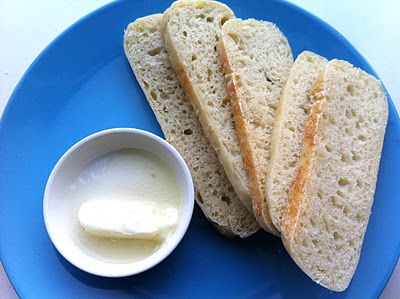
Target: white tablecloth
x,y
27,26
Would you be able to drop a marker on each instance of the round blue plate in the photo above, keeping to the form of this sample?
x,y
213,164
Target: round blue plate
x,y
81,84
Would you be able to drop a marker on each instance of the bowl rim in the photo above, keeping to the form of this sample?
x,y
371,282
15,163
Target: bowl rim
x,y
166,247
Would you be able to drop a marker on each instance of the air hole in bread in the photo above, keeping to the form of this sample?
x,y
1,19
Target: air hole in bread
x,y
339,247
210,19
362,137
337,236
225,102
201,16
184,33
242,62
335,203
268,79
319,194
224,19
154,95
350,89
210,104
354,156
155,51
306,108
346,210
209,73
359,183
226,199
292,129
343,182
146,85
315,242
348,114
194,57
272,106
340,193
353,112
256,123
234,37
344,158
163,95
348,131
200,199
312,222
188,132
328,148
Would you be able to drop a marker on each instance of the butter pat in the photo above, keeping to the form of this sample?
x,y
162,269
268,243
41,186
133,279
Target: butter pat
x,y
127,219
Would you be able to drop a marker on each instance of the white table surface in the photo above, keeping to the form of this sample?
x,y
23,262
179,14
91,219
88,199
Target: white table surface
x,y
27,26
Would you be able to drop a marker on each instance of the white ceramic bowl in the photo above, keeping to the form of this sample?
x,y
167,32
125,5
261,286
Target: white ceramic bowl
x,y
74,160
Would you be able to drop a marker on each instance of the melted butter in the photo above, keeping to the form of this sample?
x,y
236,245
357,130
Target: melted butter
x,y
126,174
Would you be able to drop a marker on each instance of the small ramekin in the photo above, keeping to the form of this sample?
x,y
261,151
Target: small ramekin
x,y
74,160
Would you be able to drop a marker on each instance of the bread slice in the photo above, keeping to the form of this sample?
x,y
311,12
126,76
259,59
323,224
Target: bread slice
x,y
191,31
144,48
257,60
287,135
324,224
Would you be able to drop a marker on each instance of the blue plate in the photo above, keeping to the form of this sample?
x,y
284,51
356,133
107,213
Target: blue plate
x,y
81,84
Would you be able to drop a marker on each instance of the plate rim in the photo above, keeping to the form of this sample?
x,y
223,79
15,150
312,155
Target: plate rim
x,y
347,44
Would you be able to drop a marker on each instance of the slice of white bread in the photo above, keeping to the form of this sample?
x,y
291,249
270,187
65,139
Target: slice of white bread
x,y
191,32
287,136
257,60
144,48
324,224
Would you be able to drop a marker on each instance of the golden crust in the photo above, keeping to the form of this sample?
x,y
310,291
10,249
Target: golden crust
x,y
296,194
260,208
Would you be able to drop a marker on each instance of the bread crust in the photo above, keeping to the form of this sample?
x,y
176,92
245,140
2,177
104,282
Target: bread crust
x,y
296,195
259,204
